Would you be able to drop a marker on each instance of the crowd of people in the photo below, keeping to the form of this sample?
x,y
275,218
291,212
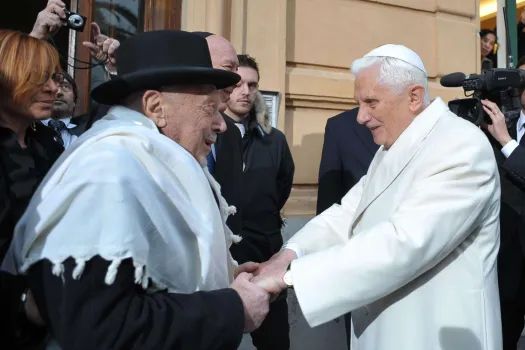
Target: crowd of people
x,y
154,222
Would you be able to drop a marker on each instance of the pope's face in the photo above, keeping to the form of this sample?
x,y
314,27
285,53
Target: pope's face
x,y
384,111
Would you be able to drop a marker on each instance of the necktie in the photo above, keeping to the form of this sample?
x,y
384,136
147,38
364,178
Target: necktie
x,y
211,162
57,125
520,130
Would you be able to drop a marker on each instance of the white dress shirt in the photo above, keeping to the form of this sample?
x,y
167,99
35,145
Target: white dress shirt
x,y
67,137
512,144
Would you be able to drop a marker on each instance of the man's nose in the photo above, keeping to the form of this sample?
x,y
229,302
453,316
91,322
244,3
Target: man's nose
x,y
218,124
51,86
363,116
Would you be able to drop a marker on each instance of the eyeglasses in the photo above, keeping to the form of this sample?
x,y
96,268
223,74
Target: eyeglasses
x,y
40,79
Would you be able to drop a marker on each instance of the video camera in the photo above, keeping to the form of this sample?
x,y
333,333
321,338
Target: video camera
x,y
501,86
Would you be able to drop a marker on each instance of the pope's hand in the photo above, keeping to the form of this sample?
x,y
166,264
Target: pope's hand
x,y
254,299
270,274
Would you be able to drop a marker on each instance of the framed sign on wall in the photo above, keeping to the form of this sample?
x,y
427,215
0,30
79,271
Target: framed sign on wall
x,y
272,99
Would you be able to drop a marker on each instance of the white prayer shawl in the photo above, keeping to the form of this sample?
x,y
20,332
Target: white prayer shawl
x,y
124,190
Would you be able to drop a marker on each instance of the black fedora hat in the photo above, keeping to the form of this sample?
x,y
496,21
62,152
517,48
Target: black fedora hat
x,y
159,58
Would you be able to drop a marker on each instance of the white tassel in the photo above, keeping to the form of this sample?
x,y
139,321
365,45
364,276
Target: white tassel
x,y
58,268
111,275
79,268
139,273
230,210
145,282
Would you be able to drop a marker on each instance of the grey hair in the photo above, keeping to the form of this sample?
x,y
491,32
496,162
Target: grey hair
x,y
394,73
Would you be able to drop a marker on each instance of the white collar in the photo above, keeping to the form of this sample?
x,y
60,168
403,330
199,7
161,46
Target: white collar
x,y
127,114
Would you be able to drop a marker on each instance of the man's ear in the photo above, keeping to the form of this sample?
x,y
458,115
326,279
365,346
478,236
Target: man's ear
x,y
152,104
417,97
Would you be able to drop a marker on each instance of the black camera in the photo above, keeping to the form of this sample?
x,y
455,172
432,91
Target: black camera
x,y
74,21
501,86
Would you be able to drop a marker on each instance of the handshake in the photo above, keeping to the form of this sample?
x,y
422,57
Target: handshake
x,y
257,284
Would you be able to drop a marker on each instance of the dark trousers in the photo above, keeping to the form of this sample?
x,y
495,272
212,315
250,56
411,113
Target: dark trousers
x,y
512,314
273,334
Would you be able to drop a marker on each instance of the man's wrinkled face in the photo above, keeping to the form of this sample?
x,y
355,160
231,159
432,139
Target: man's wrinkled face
x,y
243,96
223,56
64,104
385,112
192,118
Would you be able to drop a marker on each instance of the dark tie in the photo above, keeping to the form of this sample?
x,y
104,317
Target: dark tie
x,y
211,162
57,125
522,140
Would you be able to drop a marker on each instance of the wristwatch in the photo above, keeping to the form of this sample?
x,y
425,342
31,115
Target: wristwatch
x,y
288,278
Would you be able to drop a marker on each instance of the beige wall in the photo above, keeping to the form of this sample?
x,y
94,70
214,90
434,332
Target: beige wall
x,y
305,47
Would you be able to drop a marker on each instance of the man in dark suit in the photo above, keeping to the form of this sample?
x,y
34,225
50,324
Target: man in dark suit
x,y
225,160
509,149
348,150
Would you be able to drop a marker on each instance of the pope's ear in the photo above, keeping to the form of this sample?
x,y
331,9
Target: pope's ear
x,y
152,104
417,97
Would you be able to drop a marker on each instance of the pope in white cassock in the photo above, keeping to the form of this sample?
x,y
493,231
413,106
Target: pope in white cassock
x,y
411,251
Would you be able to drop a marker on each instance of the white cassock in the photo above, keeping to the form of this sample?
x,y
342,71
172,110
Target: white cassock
x,y
412,249
124,190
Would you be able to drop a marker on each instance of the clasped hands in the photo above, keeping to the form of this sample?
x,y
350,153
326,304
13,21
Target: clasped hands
x,y
258,284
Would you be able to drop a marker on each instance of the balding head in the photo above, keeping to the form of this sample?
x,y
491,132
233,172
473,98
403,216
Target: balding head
x,y
223,56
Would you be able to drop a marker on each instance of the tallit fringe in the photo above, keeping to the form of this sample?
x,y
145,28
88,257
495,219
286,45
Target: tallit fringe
x,y
139,273
58,268
225,209
79,268
111,275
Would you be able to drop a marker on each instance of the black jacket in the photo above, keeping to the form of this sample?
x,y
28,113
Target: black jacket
x,y
348,150
21,171
228,171
268,173
85,121
86,313
512,217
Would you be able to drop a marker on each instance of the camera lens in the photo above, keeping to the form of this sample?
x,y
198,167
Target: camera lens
x,y
76,21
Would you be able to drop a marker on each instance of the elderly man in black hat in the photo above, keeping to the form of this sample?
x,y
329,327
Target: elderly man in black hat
x,y
125,242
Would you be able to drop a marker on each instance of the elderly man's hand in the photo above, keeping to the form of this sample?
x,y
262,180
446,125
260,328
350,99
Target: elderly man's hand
x,y
256,301
270,274
248,267
48,20
498,129
102,48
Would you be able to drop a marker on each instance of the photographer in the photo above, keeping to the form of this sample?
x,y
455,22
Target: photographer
x,y
509,150
102,49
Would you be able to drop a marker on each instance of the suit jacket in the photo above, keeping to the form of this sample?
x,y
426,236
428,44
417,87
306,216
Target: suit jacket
x,y
512,217
411,251
348,150
228,170
85,121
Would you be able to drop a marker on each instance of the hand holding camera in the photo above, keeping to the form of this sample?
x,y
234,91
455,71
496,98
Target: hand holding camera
x,y
498,129
49,20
